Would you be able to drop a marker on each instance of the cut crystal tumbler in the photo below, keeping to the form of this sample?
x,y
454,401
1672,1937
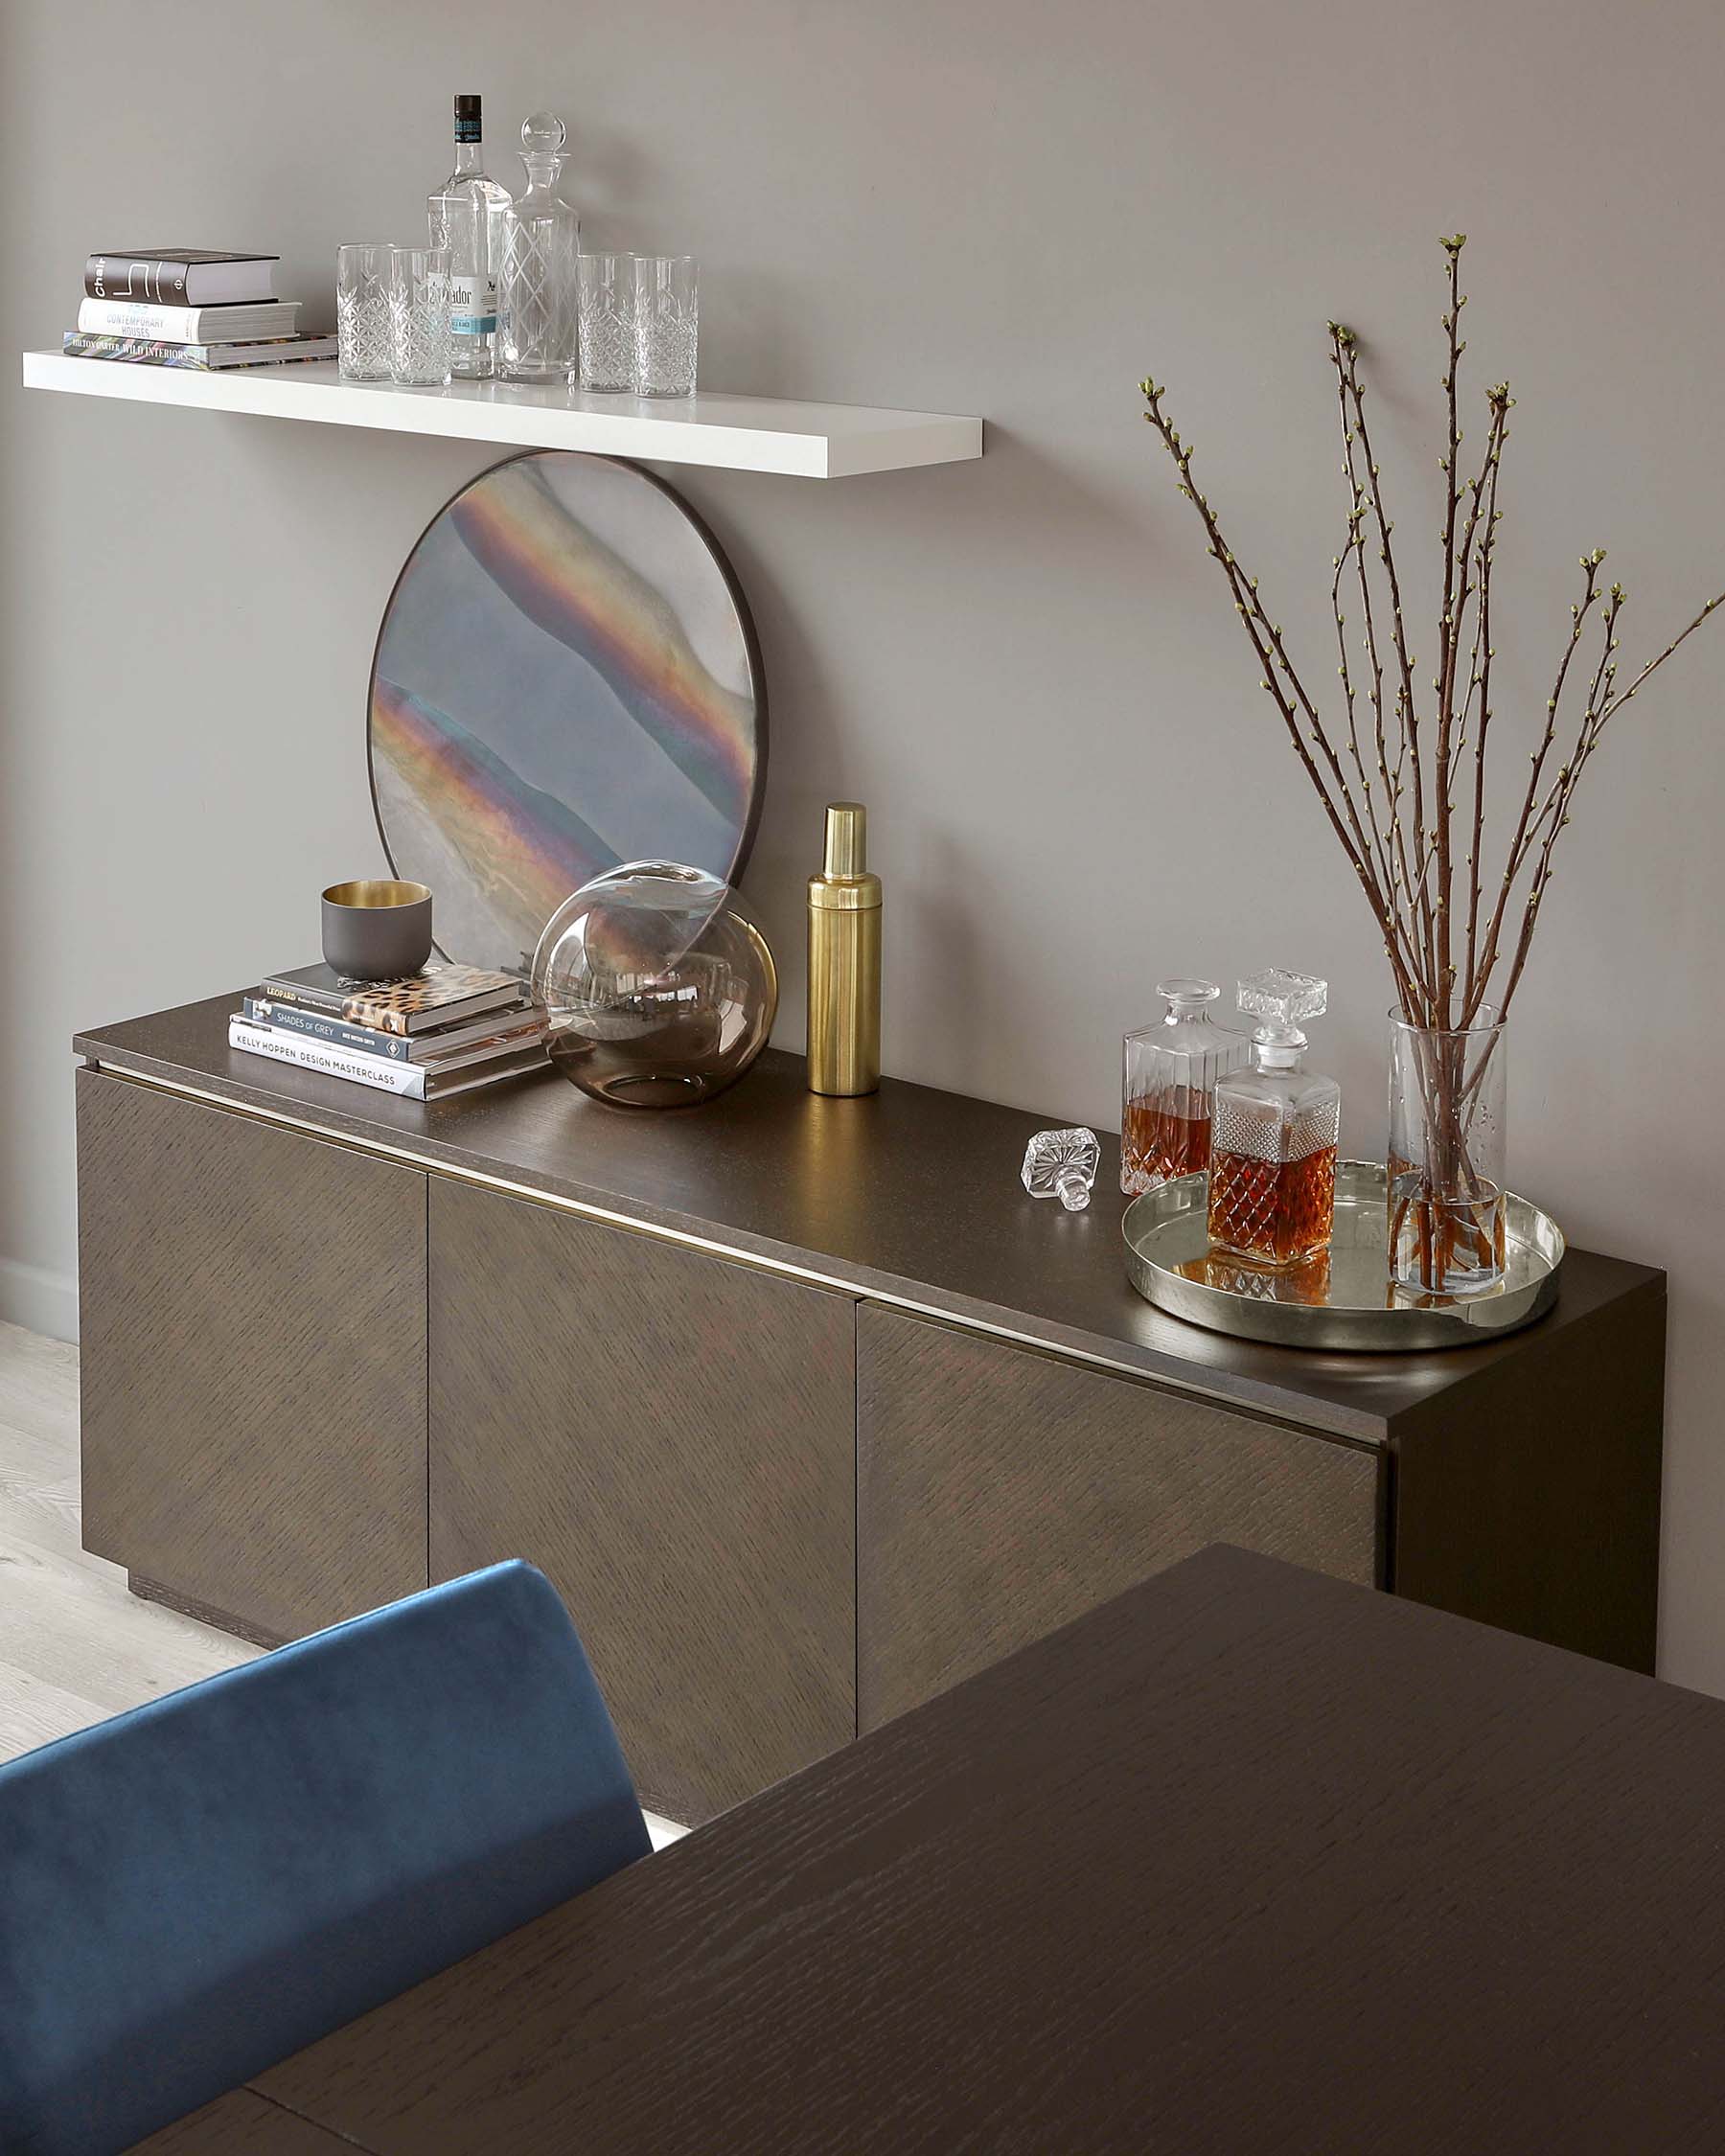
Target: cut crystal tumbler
x,y
606,321
418,316
362,309
667,325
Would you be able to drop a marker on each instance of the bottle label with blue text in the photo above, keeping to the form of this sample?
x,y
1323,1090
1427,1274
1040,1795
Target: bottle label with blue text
x,y
472,306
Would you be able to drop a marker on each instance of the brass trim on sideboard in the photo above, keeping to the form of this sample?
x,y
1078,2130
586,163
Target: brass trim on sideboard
x,y
782,1268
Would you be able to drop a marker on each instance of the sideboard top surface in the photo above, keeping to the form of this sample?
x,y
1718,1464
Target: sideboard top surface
x,y
910,1193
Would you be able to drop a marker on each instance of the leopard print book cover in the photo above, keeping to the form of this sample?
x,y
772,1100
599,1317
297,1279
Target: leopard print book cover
x,y
389,1006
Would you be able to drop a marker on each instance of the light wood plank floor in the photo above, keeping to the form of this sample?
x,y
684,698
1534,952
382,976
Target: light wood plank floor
x,y
75,1646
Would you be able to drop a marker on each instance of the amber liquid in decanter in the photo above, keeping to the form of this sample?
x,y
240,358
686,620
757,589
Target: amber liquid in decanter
x,y
1278,1212
1165,1139
1273,1134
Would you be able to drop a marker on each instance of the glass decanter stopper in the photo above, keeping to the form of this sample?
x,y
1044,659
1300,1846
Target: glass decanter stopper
x,y
1171,1069
1273,1131
537,295
1062,1165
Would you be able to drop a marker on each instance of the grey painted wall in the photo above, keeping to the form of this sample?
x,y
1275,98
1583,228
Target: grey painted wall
x,y
1023,665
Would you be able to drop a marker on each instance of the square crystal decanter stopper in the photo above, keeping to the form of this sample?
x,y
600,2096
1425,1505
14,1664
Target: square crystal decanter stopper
x,y
1062,1165
1283,999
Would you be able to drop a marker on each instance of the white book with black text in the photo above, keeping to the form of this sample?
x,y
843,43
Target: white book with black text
x,y
335,1061
189,325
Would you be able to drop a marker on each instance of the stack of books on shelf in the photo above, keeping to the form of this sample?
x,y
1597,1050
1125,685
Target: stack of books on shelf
x,y
442,1031
186,307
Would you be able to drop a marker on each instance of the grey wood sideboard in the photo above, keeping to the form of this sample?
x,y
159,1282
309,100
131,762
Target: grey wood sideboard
x,y
804,1407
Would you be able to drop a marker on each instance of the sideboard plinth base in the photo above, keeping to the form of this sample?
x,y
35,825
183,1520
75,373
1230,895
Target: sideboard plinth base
x,y
153,1591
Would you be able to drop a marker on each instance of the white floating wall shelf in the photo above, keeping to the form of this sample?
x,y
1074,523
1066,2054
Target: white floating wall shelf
x,y
734,433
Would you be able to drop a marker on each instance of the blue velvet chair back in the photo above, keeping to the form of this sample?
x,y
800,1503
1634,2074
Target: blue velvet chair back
x,y
193,1890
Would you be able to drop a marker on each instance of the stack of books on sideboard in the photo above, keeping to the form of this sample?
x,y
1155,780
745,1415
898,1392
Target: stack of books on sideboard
x,y
442,1031
187,307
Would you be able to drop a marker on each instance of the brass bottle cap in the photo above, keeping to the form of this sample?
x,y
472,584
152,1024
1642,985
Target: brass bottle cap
x,y
844,884
846,838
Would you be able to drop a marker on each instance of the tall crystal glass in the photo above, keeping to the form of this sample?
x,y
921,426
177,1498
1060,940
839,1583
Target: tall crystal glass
x,y
537,293
667,325
362,309
606,323
1448,1097
418,316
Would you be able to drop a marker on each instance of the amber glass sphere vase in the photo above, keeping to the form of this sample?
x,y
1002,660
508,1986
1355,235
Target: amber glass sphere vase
x,y
661,989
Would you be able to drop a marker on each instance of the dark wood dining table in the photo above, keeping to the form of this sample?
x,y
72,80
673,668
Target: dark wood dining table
x,y
1246,1861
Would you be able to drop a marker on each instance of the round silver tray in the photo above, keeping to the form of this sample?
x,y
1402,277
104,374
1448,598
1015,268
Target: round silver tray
x,y
1344,1299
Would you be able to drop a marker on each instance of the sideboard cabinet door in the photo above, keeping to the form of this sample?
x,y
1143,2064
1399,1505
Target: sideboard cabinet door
x,y
672,1439
253,1312
1003,1492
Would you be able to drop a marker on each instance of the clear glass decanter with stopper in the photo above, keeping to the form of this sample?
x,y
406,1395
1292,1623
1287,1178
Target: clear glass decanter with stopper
x,y
1171,1069
538,301
475,240
1273,1131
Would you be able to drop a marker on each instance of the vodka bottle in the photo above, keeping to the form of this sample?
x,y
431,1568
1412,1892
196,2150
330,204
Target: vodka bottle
x,y
472,206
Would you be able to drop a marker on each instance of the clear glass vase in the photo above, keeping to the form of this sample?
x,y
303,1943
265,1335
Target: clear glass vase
x,y
539,286
1445,1164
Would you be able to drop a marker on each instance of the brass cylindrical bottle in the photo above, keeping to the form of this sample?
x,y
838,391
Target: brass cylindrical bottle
x,y
845,960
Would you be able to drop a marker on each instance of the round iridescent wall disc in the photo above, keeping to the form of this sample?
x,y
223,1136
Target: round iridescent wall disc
x,y
566,677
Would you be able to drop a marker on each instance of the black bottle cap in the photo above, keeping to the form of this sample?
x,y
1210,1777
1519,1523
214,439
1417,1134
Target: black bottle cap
x,y
467,104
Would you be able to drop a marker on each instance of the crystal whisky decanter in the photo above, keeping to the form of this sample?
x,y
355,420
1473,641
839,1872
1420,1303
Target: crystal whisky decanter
x,y
539,293
1170,1073
1273,1131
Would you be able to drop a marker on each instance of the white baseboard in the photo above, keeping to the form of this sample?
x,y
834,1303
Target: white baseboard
x,y
37,1300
